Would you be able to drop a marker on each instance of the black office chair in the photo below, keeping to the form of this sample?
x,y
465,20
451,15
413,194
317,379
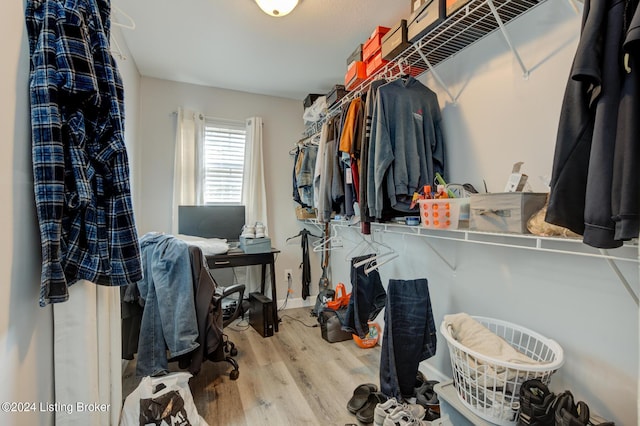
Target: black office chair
x,y
210,314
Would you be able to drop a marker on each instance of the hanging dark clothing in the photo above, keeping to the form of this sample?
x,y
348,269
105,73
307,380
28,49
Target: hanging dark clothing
x,y
367,298
306,266
596,148
406,147
625,191
409,336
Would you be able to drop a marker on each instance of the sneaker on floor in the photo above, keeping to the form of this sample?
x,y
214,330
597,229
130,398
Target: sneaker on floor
x,y
248,231
536,404
568,413
392,407
402,417
384,409
260,230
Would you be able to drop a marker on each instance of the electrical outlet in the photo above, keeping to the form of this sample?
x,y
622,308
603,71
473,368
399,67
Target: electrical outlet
x,y
288,273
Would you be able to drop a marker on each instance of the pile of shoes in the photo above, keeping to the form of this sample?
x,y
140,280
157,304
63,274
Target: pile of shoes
x,y
254,231
541,407
371,406
392,413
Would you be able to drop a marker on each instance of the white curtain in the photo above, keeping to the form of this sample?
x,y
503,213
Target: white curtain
x,y
188,162
254,193
87,356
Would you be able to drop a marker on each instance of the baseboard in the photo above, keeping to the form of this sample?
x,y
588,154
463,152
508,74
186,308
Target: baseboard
x,y
298,302
432,373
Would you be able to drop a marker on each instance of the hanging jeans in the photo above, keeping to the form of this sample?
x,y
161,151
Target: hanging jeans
x,y
367,299
409,336
169,317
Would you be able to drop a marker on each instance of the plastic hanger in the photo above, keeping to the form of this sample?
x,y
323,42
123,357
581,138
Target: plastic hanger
x,y
129,24
377,259
378,264
325,243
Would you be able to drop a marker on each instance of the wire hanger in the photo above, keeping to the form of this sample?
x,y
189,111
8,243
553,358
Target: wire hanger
x,y
377,259
364,246
130,24
325,243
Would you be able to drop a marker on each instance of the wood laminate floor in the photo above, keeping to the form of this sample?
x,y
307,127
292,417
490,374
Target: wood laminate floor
x,y
292,378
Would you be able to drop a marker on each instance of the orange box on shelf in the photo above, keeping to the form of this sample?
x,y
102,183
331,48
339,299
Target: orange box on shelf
x,y
415,71
453,5
374,43
375,63
356,74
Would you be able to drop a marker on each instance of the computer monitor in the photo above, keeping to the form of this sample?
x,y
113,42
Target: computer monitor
x,y
214,221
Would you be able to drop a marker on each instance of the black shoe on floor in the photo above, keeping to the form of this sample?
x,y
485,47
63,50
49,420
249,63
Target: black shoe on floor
x,y
536,404
568,413
366,413
360,396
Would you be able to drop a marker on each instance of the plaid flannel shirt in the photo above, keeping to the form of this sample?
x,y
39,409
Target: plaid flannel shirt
x,y
80,164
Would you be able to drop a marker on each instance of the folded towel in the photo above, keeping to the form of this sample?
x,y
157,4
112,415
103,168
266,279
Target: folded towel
x,y
209,246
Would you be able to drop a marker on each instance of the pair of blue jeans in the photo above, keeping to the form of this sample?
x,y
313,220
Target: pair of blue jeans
x,y
409,336
169,316
366,301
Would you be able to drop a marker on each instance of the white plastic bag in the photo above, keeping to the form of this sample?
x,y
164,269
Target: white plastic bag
x,y
163,401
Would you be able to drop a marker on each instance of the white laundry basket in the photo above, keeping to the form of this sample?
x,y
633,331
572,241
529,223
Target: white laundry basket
x,y
489,387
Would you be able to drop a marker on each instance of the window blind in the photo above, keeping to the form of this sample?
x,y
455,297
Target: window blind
x,y
223,159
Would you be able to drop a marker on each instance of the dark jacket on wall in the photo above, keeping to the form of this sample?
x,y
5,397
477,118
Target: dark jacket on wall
x,y
582,195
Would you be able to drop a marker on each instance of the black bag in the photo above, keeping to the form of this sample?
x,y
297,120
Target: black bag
x,y
331,327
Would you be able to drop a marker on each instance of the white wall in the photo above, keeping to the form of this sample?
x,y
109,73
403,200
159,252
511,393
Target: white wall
x,y
501,118
282,128
131,80
25,329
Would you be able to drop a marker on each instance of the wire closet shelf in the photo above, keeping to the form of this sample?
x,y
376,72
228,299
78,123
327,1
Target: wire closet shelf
x,y
472,22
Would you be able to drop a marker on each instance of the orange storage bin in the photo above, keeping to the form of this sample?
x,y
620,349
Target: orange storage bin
x,y
443,213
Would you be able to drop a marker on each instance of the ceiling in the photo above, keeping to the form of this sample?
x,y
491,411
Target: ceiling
x,y
232,44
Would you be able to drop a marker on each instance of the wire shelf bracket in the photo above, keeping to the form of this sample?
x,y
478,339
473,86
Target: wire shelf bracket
x,y
521,241
505,34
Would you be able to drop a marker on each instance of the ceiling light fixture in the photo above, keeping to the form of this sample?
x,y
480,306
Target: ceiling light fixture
x,y
277,8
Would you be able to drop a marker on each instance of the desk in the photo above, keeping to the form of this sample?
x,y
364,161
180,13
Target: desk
x,y
237,257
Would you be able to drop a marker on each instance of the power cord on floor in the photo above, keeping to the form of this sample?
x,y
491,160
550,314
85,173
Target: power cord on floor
x,y
241,323
289,291
301,322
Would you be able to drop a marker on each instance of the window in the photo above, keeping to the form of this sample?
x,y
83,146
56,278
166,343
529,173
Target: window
x,y
223,161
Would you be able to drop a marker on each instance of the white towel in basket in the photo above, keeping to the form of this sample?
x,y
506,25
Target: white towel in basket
x,y
475,336
479,338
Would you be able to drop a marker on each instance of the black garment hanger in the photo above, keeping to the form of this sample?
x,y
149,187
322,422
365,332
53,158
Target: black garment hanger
x,y
301,233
